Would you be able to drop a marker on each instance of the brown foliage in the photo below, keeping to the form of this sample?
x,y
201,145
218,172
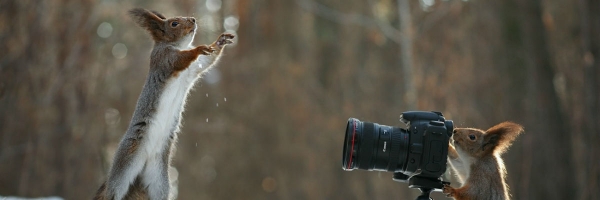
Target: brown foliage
x,y
290,82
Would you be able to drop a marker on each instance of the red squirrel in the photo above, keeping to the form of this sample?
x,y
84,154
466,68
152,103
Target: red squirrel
x,y
474,156
140,169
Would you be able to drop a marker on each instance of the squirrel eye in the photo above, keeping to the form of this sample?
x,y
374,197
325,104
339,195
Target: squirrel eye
x,y
174,24
472,137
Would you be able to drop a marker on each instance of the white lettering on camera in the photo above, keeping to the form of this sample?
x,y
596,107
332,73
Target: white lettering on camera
x,y
384,145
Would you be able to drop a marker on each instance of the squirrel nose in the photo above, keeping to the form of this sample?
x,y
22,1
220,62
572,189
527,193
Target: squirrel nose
x,y
193,20
454,131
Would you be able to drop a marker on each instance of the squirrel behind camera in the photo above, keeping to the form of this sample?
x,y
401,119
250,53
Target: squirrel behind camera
x,y
140,168
475,159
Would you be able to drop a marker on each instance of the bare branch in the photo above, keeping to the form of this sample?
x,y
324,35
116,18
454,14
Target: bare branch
x,y
433,18
353,18
385,28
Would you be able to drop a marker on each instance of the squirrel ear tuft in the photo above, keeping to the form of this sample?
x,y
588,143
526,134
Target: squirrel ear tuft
x,y
500,137
159,15
150,20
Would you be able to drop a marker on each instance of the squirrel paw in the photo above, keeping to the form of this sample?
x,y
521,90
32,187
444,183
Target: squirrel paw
x,y
224,39
206,50
449,191
211,50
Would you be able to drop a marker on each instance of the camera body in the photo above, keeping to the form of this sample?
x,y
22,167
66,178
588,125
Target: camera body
x,y
418,151
430,135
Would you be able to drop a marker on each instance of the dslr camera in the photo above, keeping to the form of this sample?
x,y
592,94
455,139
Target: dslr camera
x,y
415,154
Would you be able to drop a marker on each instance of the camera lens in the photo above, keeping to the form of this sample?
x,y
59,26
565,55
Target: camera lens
x,y
371,146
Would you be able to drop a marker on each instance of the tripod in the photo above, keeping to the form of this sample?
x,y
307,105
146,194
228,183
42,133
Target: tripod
x,y
425,184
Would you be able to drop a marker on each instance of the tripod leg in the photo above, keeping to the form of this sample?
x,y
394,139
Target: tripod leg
x,y
425,194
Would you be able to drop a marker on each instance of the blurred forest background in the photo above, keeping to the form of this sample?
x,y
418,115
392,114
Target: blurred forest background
x,y
269,122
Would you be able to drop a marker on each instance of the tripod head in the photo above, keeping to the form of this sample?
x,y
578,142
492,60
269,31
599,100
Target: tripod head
x,y
425,184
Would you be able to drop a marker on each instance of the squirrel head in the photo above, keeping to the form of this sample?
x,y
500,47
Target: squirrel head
x,y
178,30
479,143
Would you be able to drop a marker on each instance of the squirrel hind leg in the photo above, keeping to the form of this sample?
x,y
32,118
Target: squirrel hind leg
x,y
137,190
101,193
120,179
156,178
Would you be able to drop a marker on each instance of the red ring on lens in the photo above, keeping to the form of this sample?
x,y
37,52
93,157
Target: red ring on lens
x,y
352,149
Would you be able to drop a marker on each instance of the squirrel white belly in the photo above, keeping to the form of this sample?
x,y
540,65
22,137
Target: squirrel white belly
x,y
141,164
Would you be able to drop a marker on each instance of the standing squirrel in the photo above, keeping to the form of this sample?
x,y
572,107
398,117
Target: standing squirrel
x,y
475,159
141,163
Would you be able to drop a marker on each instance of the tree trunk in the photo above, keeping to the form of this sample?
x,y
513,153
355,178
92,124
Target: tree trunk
x,y
410,92
544,112
588,173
